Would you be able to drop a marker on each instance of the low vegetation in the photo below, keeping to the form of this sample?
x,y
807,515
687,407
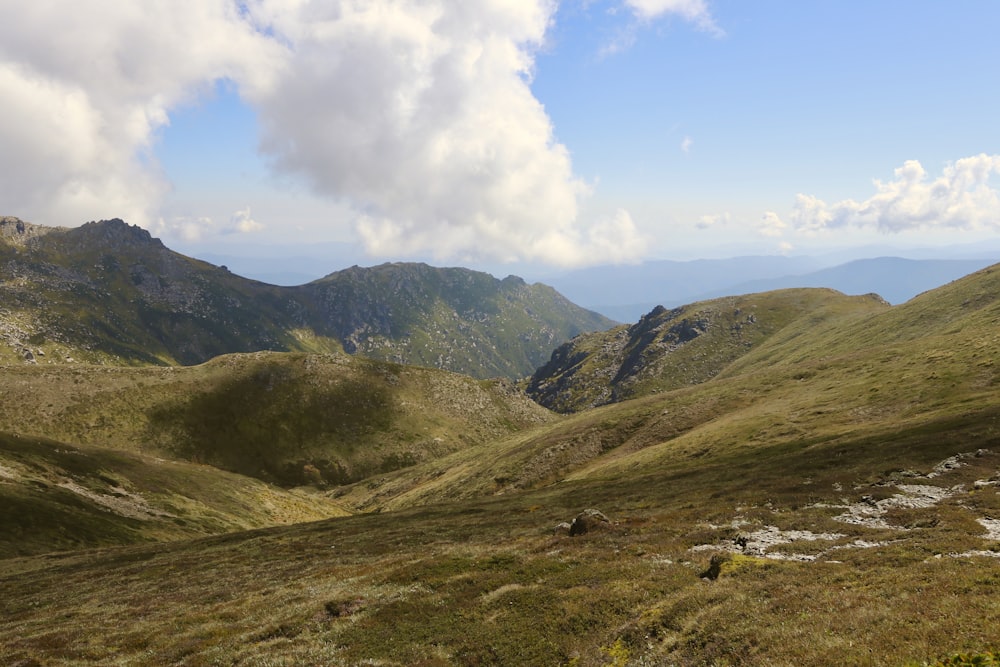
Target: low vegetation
x,y
108,293
829,497
289,419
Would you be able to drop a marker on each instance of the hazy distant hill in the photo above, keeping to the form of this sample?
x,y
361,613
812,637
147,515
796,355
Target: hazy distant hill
x,y
108,292
627,292
895,279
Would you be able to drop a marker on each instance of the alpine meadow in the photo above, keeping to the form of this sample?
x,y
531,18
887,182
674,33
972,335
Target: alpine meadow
x,y
790,477
499,333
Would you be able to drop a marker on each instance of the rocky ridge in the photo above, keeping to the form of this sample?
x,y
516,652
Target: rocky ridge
x,y
669,349
108,292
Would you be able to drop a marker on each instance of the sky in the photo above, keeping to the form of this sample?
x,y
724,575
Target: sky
x,y
493,132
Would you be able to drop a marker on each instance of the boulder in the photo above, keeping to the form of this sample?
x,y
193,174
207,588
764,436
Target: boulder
x,y
562,528
588,520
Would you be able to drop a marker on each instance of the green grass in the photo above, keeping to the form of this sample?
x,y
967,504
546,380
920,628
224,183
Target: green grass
x,y
55,496
489,582
458,560
269,415
672,349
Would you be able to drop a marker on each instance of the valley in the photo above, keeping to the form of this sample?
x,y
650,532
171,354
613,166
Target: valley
x,y
789,477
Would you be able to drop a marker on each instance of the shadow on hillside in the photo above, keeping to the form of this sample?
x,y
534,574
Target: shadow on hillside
x,y
277,425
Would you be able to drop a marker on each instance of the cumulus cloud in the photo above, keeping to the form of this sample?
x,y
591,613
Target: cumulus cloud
x,y
85,87
771,225
963,197
187,228
686,144
421,115
713,221
242,222
418,114
646,11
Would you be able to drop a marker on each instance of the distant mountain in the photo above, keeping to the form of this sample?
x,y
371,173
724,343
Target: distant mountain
x,y
461,320
670,349
895,279
108,292
626,293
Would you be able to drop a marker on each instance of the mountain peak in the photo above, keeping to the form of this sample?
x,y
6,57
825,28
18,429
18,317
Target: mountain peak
x,y
115,234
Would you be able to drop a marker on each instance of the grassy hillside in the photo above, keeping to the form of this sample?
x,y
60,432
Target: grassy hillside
x,y
669,349
490,582
55,496
838,373
831,497
109,293
462,320
287,418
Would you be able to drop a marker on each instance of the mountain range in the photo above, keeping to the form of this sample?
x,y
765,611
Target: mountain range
x,y
625,293
790,477
107,292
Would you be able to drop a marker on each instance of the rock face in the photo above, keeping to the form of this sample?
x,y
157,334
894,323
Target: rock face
x,y
18,232
108,292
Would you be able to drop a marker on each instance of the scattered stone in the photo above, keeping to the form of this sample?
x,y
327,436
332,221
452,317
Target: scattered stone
x,y
949,464
992,527
562,528
977,552
587,521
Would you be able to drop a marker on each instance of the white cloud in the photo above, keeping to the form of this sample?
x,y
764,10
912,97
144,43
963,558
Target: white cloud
x,y
188,229
86,85
962,197
713,221
686,144
695,11
771,225
241,222
417,113
646,11
421,115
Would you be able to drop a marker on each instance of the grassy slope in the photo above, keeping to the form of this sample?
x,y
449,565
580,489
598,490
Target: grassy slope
x,y
841,414
55,496
284,417
466,321
670,349
108,293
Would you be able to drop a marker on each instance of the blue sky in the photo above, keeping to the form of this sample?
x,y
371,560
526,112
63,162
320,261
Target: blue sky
x,y
559,134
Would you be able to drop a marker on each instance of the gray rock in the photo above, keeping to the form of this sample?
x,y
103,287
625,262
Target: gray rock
x,y
562,528
588,520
